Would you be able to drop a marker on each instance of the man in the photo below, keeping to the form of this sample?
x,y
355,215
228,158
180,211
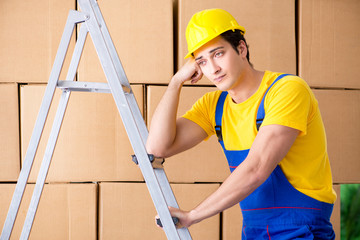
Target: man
x,y
269,126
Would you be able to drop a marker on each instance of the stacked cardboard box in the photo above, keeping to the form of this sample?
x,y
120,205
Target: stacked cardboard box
x,y
142,32
127,212
340,113
9,133
66,211
30,35
328,43
92,145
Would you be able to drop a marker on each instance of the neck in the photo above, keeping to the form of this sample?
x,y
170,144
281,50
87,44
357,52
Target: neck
x,y
248,85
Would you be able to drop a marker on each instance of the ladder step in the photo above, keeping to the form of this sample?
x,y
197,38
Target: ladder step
x,y
87,87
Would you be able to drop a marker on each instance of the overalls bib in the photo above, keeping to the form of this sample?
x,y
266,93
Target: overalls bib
x,y
276,210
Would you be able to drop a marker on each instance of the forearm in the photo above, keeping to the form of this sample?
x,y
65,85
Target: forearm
x,y
162,130
242,182
162,133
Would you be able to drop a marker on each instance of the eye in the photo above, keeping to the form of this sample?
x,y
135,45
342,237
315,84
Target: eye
x,y
219,54
201,63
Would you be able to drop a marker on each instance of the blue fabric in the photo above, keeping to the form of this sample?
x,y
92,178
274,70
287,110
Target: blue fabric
x,y
276,210
261,111
219,108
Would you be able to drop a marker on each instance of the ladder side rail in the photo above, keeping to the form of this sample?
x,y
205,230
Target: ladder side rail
x,y
129,123
170,198
109,44
138,117
45,165
78,50
39,126
121,73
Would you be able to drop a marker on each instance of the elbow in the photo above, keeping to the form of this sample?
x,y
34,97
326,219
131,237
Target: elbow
x,y
157,151
259,178
259,175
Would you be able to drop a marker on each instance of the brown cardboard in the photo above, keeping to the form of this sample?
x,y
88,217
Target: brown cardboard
x,y
232,223
340,112
126,211
66,211
92,144
205,162
9,133
336,217
232,220
142,32
30,35
329,43
270,30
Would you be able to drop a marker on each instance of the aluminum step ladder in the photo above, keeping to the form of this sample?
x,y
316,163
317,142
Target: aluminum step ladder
x,y
92,22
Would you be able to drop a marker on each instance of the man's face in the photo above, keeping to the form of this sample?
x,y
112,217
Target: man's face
x,y
220,63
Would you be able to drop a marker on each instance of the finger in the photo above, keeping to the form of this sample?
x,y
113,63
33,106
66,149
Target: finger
x,y
196,77
176,217
157,221
175,221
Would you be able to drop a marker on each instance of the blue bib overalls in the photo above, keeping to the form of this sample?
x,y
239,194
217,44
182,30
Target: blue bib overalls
x,y
276,210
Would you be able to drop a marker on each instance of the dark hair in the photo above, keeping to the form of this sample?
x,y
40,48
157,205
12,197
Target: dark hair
x,y
234,38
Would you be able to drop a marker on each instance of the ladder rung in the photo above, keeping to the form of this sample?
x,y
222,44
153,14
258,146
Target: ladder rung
x,y
83,86
87,86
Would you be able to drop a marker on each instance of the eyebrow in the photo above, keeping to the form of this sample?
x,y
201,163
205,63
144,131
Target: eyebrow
x,y
211,51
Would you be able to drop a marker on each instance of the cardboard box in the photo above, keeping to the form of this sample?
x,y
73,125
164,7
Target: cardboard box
x,y
142,32
336,216
205,162
270,30
340,112
329,43
232,223
126,211
9,133
66,211
92,144
30,35
232,220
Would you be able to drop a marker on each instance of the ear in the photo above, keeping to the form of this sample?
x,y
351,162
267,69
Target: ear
x,y
242,48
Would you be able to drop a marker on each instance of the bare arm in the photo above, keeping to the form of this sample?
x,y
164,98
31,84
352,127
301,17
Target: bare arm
x,y
269,148
167,134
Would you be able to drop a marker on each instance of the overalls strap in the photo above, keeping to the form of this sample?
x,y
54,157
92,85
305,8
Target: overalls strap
x,y
261,110
218,115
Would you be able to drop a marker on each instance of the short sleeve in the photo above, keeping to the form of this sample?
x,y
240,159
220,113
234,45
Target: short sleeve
x,y
288,103
202,113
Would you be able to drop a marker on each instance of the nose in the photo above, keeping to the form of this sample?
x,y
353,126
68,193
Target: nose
x,y
214,67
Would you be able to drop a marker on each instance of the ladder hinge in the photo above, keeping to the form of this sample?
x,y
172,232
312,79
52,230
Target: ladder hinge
x,y
155,162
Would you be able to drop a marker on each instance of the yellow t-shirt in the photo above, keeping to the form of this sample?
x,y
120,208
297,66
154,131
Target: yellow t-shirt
x,y
290,102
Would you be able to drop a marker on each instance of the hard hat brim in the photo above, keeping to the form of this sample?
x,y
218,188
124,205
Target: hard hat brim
x,y
206,40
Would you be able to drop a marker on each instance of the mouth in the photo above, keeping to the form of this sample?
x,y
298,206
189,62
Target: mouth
x,y
219,79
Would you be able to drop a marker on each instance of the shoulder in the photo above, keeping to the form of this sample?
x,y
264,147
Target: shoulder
x,y
213,95
203,111
290,85
209,99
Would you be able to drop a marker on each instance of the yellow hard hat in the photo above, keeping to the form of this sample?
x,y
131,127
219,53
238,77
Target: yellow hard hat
x,y
206,25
